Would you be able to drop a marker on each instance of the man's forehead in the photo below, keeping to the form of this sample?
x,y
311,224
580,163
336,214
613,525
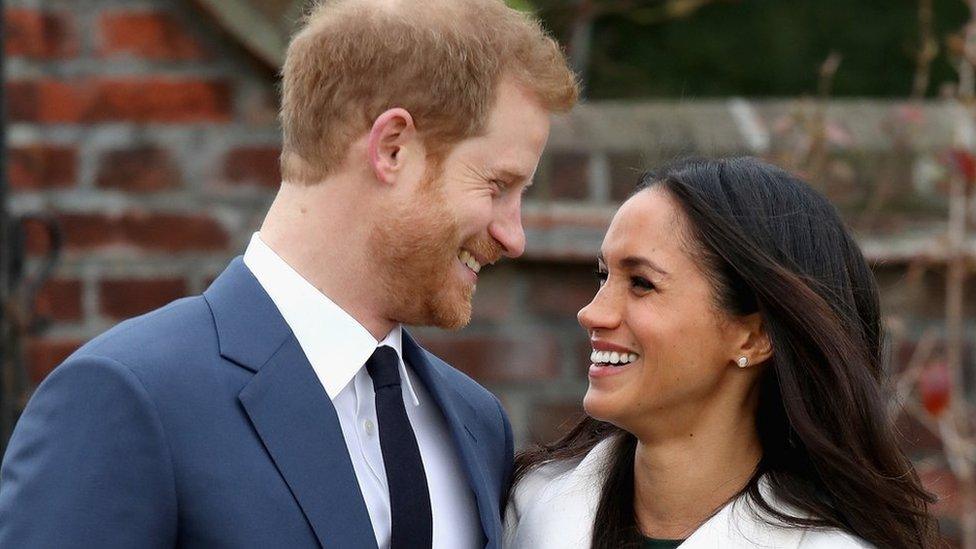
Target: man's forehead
x,y
503,158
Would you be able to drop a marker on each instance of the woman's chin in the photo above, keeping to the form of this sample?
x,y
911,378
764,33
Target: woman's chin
x,y
599,405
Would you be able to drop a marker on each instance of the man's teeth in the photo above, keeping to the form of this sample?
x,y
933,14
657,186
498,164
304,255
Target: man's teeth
x,y
612,357
469,260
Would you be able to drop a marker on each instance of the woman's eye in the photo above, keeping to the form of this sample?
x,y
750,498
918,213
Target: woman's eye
x,y
601,276
641,282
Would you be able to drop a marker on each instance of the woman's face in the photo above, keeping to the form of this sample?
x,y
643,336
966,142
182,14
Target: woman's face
x,y
656,307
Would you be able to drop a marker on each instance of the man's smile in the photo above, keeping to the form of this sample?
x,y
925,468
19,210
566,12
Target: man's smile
x,y
469,260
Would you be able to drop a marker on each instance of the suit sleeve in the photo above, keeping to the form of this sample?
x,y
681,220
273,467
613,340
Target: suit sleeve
x,y
88,464
508,457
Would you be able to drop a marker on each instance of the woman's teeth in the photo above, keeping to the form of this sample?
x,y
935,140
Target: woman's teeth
x,y
469,260
612,358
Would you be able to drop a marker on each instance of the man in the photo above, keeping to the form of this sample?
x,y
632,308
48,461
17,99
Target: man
x,y
286,407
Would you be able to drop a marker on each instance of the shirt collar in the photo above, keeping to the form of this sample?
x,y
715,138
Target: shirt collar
x,y
395,339
336,345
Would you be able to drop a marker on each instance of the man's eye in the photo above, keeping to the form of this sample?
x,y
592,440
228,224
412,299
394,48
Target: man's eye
x,y
601,276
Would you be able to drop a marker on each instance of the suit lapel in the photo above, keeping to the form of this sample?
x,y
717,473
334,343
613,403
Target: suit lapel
x,y
461,421
299,426
290,411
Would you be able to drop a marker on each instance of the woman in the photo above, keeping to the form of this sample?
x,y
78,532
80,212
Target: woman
x,y
736,389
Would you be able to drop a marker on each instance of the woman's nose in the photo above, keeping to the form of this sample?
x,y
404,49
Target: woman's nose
x,y
601,313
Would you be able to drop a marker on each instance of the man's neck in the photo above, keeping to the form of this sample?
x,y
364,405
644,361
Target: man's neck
x,y
327,247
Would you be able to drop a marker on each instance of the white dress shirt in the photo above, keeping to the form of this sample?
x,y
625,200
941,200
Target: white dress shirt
x,y
338,346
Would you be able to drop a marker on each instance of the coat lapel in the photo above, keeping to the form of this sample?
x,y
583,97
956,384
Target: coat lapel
x,y
461,421
554,506
290,411
741,523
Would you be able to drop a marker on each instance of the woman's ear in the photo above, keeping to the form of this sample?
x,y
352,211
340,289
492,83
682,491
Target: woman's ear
x,y
754,344
391,132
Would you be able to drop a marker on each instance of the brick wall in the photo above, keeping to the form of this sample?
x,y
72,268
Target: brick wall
x,y
152,139
149,137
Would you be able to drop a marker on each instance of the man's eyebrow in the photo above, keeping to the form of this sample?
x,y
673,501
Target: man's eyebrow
x,y
509,175
633,261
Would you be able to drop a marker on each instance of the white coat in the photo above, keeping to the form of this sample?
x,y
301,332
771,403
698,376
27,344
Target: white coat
x,y
553,507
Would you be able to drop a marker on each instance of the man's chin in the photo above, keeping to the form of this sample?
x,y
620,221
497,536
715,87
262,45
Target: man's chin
x,y
449,309
452,315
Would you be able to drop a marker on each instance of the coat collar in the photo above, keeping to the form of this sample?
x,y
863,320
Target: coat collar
x,y
555,505
298,424
249,327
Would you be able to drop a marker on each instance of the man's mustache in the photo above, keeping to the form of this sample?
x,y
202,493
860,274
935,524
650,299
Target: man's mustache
x,y
487,250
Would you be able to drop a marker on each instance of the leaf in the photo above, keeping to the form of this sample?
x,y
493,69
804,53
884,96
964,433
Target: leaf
x,y
521,5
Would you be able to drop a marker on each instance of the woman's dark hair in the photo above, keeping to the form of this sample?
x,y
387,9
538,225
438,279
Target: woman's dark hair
x,y
771,244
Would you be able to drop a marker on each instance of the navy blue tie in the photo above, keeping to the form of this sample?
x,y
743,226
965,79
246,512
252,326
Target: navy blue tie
x,y
412,521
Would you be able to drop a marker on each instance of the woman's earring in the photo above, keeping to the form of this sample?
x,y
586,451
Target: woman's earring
x,y
743,362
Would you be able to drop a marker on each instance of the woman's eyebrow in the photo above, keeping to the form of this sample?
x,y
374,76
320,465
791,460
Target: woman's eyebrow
x,y
633,261
638,261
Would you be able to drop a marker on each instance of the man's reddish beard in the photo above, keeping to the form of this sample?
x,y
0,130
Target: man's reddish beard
x,y
415,247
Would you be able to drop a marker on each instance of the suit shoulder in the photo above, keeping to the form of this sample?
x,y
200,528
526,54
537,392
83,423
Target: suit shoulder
x,y
473,391
181,330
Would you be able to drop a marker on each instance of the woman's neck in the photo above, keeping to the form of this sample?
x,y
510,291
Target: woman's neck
x,y
682,480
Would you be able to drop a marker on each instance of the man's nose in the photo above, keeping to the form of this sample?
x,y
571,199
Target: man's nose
x,y
507,229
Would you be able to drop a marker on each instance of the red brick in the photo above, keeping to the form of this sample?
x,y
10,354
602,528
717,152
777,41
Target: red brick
x,y
164,100
127,298
258,106
494,299
154,232
173,232
40,167
551,420
60,299
37,240
82,231
568,174
39,34
144,169
43,355
547,219
157,36
562,290
253,166
579,363
491,358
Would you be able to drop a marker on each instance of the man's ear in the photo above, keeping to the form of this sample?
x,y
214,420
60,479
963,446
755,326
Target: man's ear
x,y
754,343
391,131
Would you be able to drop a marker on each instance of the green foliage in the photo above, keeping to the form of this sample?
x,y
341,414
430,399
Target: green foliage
x,y
758,47
521,5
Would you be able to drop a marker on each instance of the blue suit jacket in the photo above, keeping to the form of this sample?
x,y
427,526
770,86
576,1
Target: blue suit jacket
x,y
202,424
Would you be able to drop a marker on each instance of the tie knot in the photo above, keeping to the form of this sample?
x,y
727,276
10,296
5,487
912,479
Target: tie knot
x,y
384,368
